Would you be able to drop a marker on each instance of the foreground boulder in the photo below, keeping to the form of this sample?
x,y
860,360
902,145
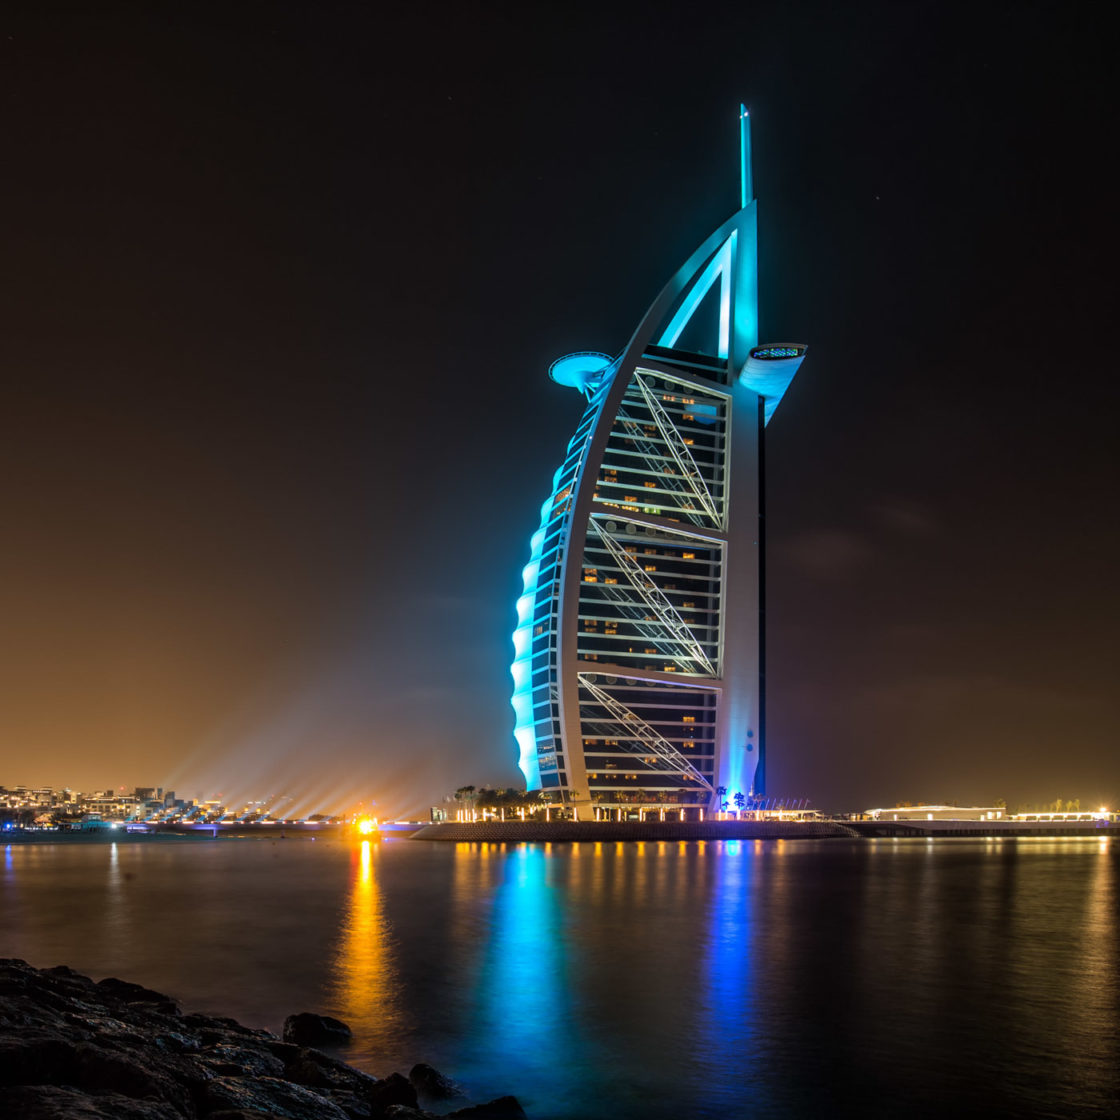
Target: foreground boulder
x,y
71,1049
431,1085
52,1102
306,1029
504,1108
391,1092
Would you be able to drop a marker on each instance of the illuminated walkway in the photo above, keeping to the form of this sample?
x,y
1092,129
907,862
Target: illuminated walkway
x,y
543,831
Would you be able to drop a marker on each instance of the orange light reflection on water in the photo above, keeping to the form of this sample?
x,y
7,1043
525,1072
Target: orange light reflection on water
x,y
365,976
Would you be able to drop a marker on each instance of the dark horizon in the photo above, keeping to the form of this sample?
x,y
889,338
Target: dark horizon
x,y
281,291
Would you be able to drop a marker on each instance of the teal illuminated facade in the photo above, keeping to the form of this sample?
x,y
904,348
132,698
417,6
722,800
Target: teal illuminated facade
x,y
638,671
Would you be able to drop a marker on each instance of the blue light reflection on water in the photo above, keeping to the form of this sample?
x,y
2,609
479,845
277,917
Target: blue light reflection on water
x,y
728,1001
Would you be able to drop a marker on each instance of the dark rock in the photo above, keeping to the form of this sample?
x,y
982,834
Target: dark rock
x,y
103,1071
177,1043
307,1029
36,1058
304,1070
236,1114
389,1092
354,1105
285,1051
502,1108
125,992
273,1097
208,1037
71,1049
65,972
237,1061
221,1026
431,1085
53,1102
114,1035
328,1072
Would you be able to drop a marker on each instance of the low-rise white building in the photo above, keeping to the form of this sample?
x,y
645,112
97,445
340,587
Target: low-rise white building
x,y
939,813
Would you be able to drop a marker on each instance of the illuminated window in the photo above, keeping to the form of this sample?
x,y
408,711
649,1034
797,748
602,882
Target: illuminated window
x,y
649,485
688,416
651,567
688,719
688,555
609,579
688,440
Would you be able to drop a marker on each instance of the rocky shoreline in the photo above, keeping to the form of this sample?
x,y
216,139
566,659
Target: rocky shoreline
x,y
75,1049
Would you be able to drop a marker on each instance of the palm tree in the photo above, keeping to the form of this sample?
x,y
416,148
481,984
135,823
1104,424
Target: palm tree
x,y
721,794
740,801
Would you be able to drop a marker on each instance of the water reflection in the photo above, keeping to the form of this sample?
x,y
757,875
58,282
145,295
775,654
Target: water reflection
x,y
366,987
709,981
727,1007
522,1014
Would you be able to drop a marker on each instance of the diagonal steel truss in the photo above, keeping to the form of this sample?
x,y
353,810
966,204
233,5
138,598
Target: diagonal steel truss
x,y
647,740
652,452
655,599
652,631
674,441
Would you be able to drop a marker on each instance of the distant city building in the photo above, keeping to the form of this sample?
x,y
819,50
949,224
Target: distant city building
x,y
639,649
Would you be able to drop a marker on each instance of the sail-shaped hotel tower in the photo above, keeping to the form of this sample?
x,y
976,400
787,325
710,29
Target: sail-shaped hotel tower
x,y
638,671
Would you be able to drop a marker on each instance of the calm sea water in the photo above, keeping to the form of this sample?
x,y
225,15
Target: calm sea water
x,y
883,978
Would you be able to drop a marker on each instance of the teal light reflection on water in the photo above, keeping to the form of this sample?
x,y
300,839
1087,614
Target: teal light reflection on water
x,y
524,1017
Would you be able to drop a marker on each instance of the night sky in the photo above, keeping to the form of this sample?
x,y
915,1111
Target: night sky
x,y
280,286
